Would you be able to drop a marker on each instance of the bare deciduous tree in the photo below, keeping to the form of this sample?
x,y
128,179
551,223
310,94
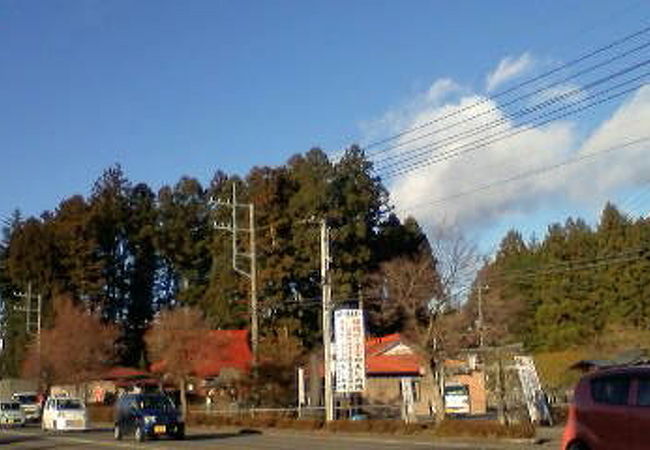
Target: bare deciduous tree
x,y
423,292
175,341
78,347
458,261
410,285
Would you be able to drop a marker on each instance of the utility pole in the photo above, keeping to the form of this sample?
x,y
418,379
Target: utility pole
x,y
253,277
39,307
28,308
481,337
252,256
31,326
326,284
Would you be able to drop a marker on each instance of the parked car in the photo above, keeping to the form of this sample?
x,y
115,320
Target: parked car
x,y
11,414
610,410
29,404
64,414
147,415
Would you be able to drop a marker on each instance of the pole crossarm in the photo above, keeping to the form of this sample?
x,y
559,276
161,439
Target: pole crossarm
x,y
251,255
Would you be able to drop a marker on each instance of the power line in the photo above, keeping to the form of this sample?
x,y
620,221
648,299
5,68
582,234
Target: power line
x,y
571,266
528,174
518,86
484,141
426,149
500,107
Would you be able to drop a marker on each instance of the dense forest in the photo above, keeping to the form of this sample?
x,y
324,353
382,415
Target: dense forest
x,y
578,285
126,252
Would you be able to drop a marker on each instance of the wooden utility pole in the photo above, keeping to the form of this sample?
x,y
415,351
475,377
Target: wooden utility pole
x,y
253,277
481,334
327,319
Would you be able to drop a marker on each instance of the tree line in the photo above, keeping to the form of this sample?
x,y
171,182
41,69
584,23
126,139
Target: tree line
x,y
578,285
123,253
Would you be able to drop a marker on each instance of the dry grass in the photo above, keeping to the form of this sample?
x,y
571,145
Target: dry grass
x,y
484,429
449,428
100,413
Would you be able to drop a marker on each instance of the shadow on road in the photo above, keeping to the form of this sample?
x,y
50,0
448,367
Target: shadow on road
x,y
205,436
16,439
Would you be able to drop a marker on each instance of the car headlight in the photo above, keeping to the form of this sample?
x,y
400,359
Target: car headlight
x,y
149,419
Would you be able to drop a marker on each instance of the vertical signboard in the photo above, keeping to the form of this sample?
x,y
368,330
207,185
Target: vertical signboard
x,y
350,351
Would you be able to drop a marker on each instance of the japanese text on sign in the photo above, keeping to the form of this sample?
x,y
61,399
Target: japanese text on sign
x,y
349,338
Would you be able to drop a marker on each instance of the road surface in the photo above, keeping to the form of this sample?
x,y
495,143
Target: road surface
x,y
102,438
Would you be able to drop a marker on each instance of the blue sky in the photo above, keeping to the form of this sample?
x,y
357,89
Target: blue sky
x,y
172,88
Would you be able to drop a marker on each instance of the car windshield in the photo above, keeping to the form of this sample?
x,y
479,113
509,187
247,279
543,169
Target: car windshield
x,y
26,399
69,404
456,390
9,406
157,402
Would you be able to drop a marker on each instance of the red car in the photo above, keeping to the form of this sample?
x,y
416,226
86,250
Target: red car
x,y
610,411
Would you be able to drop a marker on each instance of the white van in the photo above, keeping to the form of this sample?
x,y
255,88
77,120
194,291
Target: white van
x,y
64,413
457,398
11,414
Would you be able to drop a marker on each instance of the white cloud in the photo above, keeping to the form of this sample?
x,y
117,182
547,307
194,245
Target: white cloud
x,y
441,89
415,192
508,69
628,166
585,184
401,117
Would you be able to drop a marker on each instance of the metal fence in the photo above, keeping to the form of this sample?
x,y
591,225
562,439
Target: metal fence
x,y
307,412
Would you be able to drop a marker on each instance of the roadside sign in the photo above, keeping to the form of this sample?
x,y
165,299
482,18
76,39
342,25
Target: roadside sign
x,y
349,336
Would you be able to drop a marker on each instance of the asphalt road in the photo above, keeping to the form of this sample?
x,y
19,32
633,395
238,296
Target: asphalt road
x,y
102,438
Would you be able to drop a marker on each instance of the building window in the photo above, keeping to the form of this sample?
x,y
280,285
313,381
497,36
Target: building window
x,y
416,390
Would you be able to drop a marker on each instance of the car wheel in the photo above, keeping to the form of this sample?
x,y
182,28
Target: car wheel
x,y
577,445
180,433
139,434
117,433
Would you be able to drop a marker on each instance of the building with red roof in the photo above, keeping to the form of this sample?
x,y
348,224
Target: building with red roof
x,y
390,356
224,351
221,351
391,363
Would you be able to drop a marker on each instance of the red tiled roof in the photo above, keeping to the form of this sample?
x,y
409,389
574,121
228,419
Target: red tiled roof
x,y
379,345
222,349
225,349
378,363
393,365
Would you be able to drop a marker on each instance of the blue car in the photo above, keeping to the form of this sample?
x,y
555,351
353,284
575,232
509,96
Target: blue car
x,y
147,416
